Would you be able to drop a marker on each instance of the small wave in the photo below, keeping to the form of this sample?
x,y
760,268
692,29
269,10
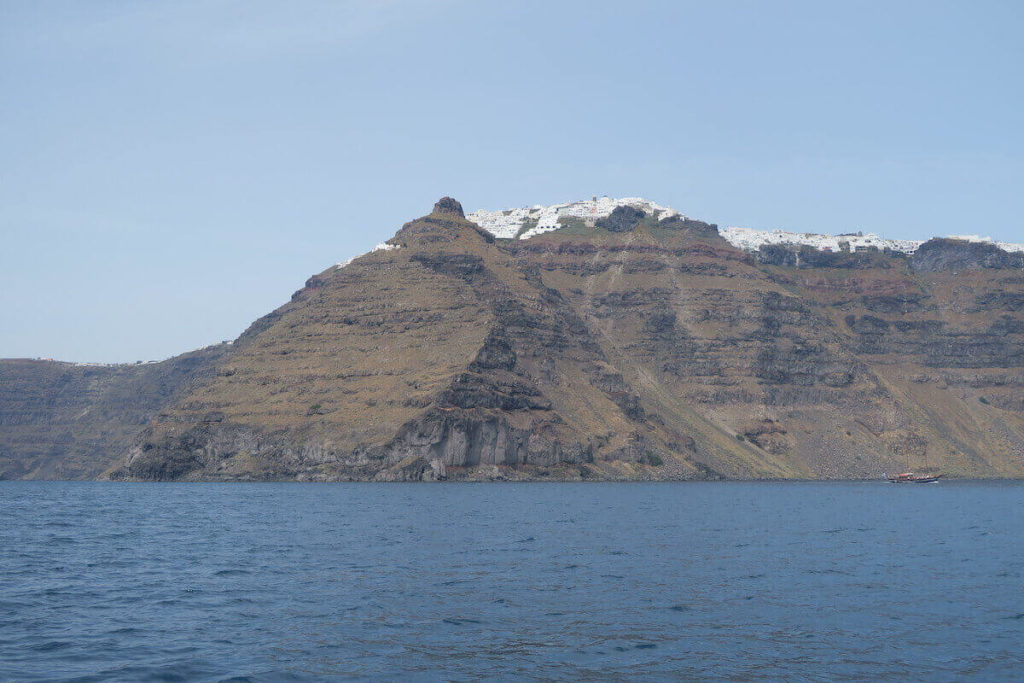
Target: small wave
x,y
124,631
61,540
50,646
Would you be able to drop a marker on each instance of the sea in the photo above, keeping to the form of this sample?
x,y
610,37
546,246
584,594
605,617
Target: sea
x,y
730,581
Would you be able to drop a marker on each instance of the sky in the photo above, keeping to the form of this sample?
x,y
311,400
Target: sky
x,y
171,171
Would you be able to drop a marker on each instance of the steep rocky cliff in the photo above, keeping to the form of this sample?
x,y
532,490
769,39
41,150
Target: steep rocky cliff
x,y
641,345
69,421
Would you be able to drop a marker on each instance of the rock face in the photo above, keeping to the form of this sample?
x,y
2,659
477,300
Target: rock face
x,y
622,219
447,205
641,348
68,421
951,254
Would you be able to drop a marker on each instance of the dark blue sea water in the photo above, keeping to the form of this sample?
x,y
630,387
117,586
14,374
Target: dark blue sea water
x,y
594,582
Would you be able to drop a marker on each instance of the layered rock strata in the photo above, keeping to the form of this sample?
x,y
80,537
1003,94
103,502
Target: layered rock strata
x,y
640,345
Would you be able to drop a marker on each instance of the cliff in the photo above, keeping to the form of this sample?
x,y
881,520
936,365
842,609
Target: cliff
x,y
638,344
71,421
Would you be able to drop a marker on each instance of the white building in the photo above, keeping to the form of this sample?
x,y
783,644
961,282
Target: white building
x,y
510,224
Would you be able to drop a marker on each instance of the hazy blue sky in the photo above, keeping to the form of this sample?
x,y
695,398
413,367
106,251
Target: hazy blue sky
x,y
169,171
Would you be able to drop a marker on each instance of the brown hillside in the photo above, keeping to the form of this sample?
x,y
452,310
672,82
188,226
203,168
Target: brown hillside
x,y
649,351
634,349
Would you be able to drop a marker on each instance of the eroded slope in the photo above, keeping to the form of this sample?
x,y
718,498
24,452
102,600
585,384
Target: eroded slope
x,y
69,421
638,345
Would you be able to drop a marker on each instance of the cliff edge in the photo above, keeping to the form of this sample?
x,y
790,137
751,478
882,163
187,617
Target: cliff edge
x,y
616,341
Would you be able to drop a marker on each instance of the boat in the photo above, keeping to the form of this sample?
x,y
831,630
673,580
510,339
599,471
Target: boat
x,y
914,478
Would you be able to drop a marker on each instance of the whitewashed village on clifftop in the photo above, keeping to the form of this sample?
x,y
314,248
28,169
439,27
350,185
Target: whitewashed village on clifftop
x,y
523,223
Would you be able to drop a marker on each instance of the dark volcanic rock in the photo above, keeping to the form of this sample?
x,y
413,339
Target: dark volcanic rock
x,y
468,438
661,322
459,265
621,219
496,354
1008,301
447,205
951,254
698,228
803,256
472,390
894,303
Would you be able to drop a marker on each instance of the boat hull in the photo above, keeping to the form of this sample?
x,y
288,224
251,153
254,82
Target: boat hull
x,y
910,478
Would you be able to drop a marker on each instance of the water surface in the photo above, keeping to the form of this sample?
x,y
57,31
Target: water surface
x,y
594,582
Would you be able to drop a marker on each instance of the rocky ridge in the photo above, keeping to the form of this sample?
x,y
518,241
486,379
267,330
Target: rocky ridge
x,y
638,344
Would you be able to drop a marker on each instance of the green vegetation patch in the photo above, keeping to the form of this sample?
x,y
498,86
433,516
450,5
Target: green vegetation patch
x,y
571,225
653,459
528,225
